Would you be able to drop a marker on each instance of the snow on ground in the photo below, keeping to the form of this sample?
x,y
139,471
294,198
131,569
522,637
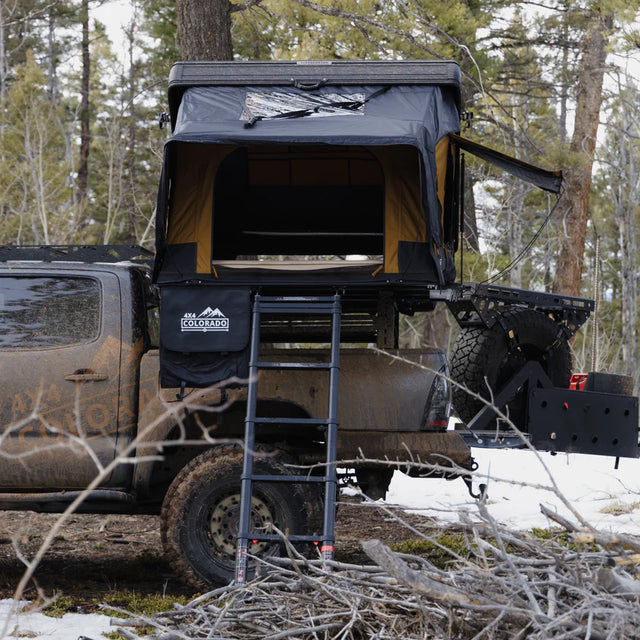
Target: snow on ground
x,y
30,624
608,499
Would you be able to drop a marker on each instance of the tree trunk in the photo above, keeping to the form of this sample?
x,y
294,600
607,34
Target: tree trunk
x,y
626,190
132,130
204,29
52,80
3,67
436,331
575,201
563,76
85,134
469,220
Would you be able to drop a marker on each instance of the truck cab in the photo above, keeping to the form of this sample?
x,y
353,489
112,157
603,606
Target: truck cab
x,y
72,342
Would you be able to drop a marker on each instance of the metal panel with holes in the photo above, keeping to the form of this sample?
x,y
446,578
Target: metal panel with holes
x,y
584,422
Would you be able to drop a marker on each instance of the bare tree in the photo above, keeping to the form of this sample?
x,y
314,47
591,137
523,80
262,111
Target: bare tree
x,y
621,168
85,133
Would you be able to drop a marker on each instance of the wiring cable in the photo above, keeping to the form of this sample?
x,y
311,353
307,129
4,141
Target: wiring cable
x,y
527,247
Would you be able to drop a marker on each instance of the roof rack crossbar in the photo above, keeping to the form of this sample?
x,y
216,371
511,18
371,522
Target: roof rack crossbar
x,y
75,253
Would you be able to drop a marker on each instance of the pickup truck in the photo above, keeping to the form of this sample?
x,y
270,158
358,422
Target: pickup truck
x,y
82,403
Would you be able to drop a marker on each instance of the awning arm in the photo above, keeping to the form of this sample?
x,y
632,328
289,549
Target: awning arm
x,y
547,180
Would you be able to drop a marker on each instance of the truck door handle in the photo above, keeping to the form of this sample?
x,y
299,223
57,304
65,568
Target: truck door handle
x,y
85,375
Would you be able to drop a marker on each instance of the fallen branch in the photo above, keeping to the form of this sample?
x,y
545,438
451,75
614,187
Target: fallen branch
x,y
512,585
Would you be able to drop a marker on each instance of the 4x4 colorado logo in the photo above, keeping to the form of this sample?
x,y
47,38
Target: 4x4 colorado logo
x,y
209,320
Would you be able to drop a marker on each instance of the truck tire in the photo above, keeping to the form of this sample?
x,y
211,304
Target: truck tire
x,y
489,356
201,510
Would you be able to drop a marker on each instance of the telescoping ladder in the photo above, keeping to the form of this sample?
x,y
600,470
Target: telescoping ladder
x,y
299,306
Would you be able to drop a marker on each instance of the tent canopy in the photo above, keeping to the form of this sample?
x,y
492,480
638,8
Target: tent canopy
x,y
315,159
338,168
541,178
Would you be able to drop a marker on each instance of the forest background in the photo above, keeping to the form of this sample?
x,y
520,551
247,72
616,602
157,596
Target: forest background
x,y
552,82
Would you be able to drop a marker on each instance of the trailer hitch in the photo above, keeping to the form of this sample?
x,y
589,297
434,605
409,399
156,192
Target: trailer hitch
x,y
482,488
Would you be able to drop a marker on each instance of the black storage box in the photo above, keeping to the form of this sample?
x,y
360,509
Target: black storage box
x,y
204,335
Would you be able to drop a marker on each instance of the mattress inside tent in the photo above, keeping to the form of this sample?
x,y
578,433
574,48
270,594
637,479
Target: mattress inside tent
x,y
298,272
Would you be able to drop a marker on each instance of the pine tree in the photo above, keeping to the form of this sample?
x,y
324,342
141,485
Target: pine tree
x,y
35,197
617,215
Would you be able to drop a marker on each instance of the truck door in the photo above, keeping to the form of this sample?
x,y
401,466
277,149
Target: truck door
x,y
59,369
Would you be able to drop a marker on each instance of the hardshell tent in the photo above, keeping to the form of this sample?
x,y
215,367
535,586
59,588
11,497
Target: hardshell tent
x,y
310,159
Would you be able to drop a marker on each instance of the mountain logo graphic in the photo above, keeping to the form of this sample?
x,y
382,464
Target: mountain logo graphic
x,y
211,313
208,320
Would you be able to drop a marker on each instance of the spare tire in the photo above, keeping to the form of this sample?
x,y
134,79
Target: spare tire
x,y
484,360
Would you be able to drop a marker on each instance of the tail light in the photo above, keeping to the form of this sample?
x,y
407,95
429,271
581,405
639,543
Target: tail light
x,y
438,406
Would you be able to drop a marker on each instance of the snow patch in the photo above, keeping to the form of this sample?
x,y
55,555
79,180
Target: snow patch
x,y
518,484
32,624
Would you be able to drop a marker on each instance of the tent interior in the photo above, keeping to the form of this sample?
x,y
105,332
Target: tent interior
x,y
265,204
315,201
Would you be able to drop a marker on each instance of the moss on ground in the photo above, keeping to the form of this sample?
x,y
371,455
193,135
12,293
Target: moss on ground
x,y
113,601
440,549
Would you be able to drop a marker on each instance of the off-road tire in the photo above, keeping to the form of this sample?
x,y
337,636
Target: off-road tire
x,y
200,512
484,356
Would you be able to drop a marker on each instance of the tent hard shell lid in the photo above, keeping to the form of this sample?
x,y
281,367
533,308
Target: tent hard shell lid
x,y
315,159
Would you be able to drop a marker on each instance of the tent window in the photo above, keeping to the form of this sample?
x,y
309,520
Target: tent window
x,y
265,104
316,201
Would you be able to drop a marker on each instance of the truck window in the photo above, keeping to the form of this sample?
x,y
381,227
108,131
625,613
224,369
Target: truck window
x,y
46,312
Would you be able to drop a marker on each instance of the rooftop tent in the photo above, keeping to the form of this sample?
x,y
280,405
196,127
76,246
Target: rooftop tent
x,y
310,159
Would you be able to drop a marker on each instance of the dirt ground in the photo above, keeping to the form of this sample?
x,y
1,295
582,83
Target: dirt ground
x,y
97,554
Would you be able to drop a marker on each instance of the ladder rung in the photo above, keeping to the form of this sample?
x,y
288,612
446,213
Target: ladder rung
x,y
296,307
290,420
291,537
313,299
293,365
274,478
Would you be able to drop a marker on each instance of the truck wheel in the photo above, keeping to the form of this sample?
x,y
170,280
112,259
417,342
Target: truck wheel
x,y
485,356
201,512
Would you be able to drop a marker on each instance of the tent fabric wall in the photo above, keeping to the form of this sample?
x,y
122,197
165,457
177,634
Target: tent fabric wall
x,y
442,155
191,209
192,198
312,165
404,217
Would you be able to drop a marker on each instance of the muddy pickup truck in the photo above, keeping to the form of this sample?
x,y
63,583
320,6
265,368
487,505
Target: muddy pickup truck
x,y
81,406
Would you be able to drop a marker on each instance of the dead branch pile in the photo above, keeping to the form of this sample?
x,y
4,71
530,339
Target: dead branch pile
x,y
507,585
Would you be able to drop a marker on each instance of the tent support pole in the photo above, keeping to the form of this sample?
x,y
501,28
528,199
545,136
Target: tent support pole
x,y
461,215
